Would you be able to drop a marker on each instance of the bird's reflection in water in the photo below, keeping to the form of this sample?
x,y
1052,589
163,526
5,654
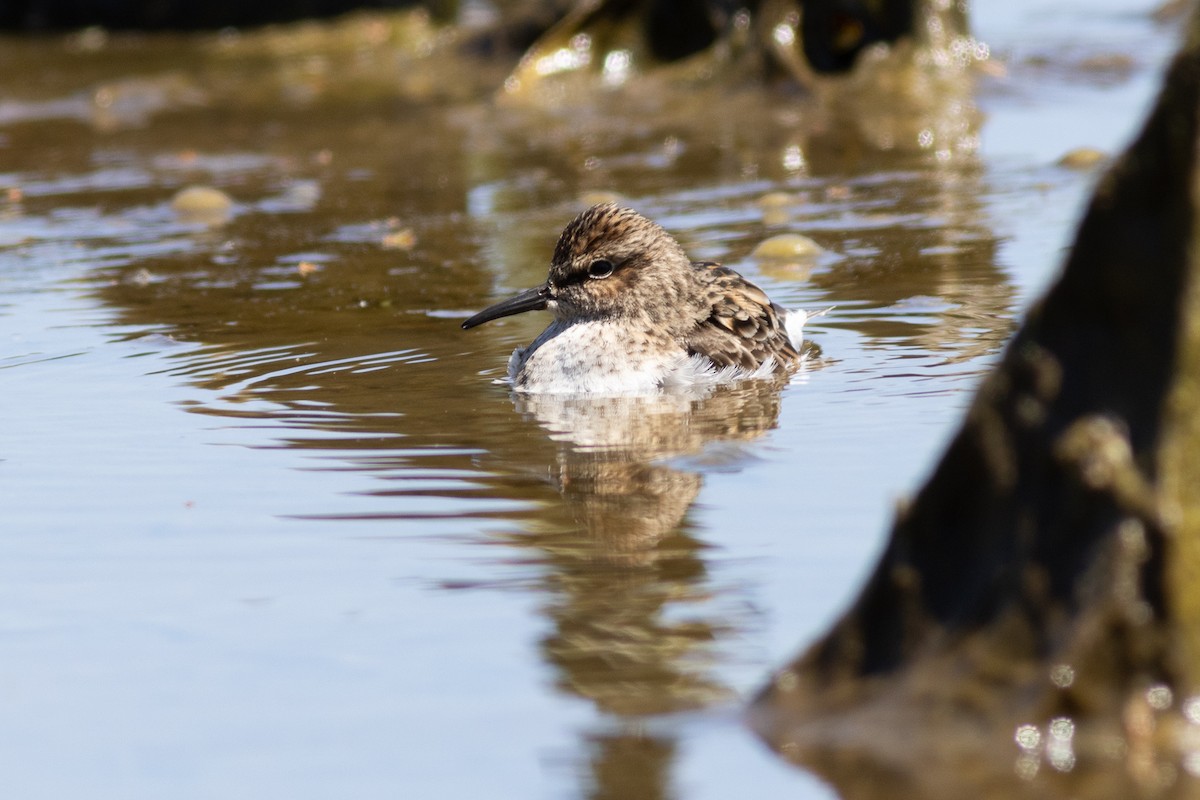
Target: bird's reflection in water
x,y
637,619
619,459
631,765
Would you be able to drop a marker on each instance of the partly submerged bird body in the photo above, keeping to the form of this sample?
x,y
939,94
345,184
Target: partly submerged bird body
x,y
634,315
592,357
636,356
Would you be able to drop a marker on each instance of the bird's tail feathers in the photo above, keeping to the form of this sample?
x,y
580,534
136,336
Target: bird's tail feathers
x,y
795,320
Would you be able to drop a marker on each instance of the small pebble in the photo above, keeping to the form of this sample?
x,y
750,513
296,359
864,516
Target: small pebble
x,y
1082,158
141,278
786,246
403,239
202,204
1108,62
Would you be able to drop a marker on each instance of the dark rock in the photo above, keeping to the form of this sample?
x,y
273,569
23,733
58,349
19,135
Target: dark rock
x,y
1046,574
171,14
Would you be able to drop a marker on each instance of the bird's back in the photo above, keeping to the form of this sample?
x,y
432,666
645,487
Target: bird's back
x,y
742,327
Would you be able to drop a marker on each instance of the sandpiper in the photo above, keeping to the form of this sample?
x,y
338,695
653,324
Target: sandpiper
x,y
634,315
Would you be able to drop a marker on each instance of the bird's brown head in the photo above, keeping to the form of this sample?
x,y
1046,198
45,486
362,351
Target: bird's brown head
x,y
609,262
613,261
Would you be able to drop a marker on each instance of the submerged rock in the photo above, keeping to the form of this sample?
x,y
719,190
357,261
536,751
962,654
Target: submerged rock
x,y
786,247
1082,158
202,204
1034,622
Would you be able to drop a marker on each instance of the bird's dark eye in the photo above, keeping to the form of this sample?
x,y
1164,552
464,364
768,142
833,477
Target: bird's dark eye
x,y
600,268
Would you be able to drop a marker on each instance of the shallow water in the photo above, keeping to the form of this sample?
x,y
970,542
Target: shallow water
x,y
270,528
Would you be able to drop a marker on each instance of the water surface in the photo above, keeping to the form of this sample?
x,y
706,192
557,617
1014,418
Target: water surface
x,y
270,527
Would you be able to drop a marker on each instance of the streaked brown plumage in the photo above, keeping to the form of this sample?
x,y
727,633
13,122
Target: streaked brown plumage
x,y
743,327
633,313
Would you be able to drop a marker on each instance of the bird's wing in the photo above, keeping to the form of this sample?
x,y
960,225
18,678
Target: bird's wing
x,y
743,328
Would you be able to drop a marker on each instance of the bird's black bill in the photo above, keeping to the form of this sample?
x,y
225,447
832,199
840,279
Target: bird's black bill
x,y
534,299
